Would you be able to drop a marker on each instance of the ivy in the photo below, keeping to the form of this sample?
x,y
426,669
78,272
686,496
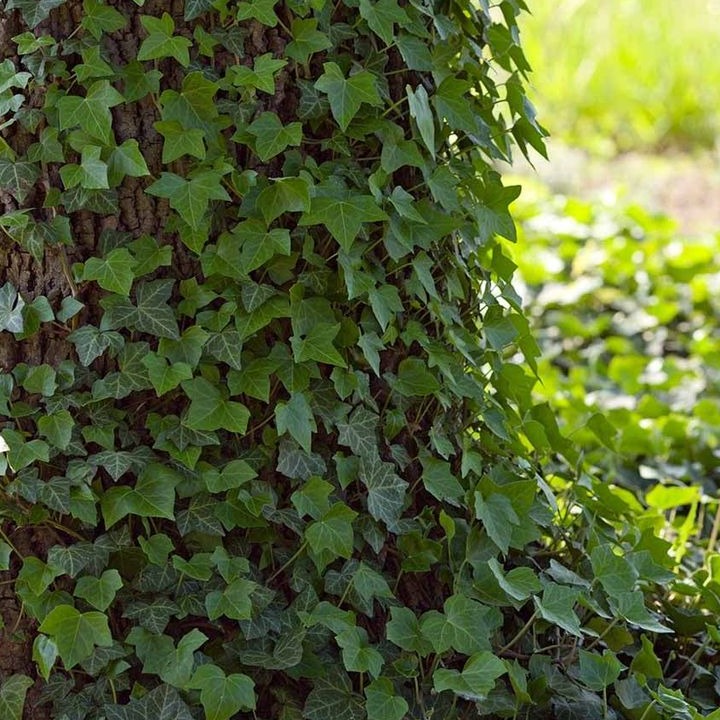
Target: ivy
x,y
269,404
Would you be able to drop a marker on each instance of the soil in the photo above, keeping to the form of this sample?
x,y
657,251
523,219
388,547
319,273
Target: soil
x,y
682,186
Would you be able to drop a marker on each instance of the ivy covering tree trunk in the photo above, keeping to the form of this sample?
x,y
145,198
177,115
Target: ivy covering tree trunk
x,y
268,440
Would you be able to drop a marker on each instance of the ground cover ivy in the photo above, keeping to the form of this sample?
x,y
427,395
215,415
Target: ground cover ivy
x,y
268,396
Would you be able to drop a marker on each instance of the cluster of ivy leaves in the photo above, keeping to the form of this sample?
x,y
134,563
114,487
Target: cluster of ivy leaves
x,y
292,458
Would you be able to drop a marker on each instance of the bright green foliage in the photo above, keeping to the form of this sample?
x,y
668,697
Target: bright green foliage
x,y
288,450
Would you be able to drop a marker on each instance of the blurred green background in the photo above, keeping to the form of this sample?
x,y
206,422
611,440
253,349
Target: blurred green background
x,y
623,75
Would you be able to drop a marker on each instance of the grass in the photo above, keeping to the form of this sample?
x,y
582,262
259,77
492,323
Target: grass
x,y
626,74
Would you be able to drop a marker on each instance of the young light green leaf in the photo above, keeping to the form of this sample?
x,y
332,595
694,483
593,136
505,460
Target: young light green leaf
x,y
114,272
91,113
76,634
261,10
161,41
57,427
223,696
343,216
99,592
209,410
333,532
272,137
307,40
290,194
179,141
346,95
44,655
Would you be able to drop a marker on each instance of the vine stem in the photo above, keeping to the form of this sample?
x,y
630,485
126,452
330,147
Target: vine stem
x,y
520,633
284,567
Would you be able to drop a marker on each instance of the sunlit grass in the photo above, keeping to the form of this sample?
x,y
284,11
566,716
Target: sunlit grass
x,y
622,74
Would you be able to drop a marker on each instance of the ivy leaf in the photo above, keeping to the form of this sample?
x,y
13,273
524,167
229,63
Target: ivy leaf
x,y
92,173
386,491
195,8
98,18
57,428
209,410
114,272
333,531
161,43
498,518
233,602
76,634
557,606
317,345
475,681
358,655
18,178
296,417
404,631
34,11
332,698
262,75
11,306
261,10
91,113
12,696
190,197
359,433
381,16
440,481
152,496
422,114
343,216
272,137
346,95
307,39
258,245
162,703
152,313
599,671
414,379
222,696
291,194
179,141
126,159
99,592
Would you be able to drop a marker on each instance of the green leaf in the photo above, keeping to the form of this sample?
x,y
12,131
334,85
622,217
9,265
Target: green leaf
x,y
440,481
422,114
44,654
179,141
258,245
57,427
386,491
261,10
41,379
114,272
18,178
34,11
99,592
332,698
272,137
385,302
233,602
498,518
597,672
557,606
381,16
357,654
307,40
404,631
466,625
190,197
415,379
296,417
222,696
333,532
347,95
76,634
614,572
152,496
343,216
475,681
318,345
126,160
290,194
162,703
160,657
98,18
91,113
161,43
209,410
262,76
312,498
360,432
383,703
163,375
12,696
92,173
